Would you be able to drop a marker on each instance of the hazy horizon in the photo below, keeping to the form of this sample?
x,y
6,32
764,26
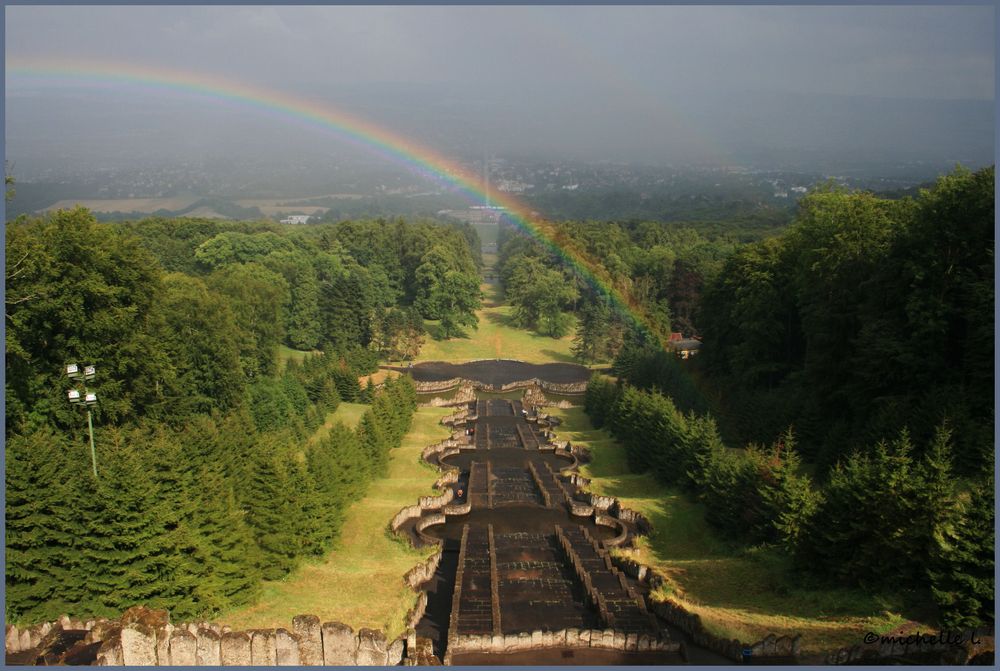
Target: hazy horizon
x,y
652,85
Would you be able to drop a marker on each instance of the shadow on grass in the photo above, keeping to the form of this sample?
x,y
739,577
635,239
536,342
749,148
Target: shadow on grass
x,y
501,319
561,357
437,333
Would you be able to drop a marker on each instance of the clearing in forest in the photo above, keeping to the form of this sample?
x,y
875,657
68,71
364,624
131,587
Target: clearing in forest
x,y
496,337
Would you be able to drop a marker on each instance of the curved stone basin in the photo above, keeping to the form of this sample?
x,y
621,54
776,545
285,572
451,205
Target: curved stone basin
x,y
496,373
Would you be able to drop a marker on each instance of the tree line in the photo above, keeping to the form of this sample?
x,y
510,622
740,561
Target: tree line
x,y
892,518
851,356
207,479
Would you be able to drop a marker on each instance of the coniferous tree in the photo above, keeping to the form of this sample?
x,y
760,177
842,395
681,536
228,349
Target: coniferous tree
x,y
961,569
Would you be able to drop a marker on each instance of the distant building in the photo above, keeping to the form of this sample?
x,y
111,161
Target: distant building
x,y
477,214
684,347
296,219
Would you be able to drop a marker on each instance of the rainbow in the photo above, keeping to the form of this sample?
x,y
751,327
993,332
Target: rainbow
x,y
324,117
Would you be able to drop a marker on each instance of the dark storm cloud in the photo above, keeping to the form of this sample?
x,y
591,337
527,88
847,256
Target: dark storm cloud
x,y
623,79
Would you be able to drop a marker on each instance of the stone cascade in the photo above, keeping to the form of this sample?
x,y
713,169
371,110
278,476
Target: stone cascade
x,y
617,602
480,493
473,609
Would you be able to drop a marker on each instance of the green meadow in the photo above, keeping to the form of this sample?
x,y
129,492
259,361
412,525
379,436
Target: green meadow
x,y
496,338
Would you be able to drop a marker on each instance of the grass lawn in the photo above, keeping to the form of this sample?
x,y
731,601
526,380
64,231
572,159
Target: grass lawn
x,y
360,582
348,413
496,337
286,353
739,593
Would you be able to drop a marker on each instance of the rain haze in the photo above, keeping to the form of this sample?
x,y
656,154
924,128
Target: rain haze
x,y
820,88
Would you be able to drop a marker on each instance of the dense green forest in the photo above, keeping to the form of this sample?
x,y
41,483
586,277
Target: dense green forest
x,y
206,482
851,359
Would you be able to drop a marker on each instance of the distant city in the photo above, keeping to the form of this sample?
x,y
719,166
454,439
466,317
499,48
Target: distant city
x,y
284,188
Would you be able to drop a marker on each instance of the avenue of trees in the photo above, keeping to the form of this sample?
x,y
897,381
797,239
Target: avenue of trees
x,y
852,357
207,481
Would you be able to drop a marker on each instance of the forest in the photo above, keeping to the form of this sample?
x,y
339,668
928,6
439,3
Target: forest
x,y
206,483
841,409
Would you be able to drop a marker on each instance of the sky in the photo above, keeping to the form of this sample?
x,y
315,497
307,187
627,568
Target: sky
x,y
644,83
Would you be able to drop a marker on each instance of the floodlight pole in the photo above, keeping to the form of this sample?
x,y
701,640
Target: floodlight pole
x,y
93,452
73,372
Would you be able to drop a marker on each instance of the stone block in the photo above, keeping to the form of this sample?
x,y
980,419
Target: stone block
x,y
618,642
286,648
209,650
497,643
769,645
559,638
110,652
225,629
138,645
536,639
183,648
192,628
797,645
510,642
584,637
783,646
162,635
632,642
340,645
547,639
100,630
235,648
38,632
372,648
150,617
572,637
643,643
24,639
524,640
262,648
64,622
607,639
307,628
12,640
394,656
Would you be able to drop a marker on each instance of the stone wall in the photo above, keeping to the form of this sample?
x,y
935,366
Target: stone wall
x,y
606,639
439,386
975,646
144,637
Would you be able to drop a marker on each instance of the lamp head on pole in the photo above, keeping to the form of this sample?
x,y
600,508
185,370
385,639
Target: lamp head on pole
x,y
89,372
91,398
73,371
74,396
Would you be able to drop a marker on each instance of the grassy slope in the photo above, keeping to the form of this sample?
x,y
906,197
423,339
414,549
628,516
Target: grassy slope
x,y
360,582
285,353
348,414
743,594
495,337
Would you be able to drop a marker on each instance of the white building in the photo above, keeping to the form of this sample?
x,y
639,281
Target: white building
x,y
296,219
